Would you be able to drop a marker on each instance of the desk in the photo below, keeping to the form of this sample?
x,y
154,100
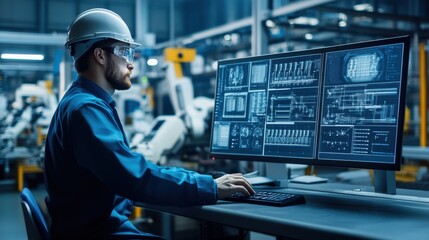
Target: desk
x,y
326,215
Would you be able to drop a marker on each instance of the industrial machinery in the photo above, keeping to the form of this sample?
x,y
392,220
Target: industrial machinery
x,y
24,127
3,107
170,132
134,109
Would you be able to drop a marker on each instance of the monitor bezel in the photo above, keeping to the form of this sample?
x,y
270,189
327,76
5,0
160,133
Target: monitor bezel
x,y
323,50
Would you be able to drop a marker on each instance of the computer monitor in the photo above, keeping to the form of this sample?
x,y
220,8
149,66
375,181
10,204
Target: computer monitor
x,y
340,106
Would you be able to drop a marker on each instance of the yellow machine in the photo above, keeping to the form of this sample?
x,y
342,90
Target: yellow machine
x,y
178,56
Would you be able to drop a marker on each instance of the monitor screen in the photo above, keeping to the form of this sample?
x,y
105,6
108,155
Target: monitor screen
x,y
334,106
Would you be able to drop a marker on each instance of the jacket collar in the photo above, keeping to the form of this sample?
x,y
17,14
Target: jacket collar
x,y
96,90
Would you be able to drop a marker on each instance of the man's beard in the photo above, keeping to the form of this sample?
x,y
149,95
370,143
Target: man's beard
x,y
115,78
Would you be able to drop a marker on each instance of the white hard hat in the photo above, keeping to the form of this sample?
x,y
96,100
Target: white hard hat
x,y
94,25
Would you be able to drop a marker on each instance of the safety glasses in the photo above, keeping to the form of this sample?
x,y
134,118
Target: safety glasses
x,y
125,52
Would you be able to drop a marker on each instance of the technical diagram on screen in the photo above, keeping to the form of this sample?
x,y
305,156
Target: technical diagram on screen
x,y
337,106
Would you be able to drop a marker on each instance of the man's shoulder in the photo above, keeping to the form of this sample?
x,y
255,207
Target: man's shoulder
x,y
78,98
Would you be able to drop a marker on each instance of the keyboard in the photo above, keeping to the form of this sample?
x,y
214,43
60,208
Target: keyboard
x,y
268,198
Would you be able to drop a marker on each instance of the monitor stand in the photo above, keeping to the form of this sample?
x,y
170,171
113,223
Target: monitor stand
x,y
384,182
278,172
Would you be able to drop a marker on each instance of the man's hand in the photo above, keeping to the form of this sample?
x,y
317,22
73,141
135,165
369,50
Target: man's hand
x,y
233,183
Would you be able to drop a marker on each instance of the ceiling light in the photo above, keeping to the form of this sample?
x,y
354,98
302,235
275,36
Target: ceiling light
x,y
13,56
363,7
214,65
308,36
270,23
305,21
342,23
152,62
234,38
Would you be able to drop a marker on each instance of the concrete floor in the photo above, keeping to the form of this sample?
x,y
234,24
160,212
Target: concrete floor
x,y
12,224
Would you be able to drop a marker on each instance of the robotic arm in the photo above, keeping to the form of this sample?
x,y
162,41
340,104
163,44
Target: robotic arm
x,y
192,110
168,133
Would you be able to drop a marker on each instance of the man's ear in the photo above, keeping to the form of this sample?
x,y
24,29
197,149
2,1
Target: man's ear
x,y
99,56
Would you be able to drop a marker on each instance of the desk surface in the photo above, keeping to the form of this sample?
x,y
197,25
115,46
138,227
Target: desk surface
x,y
326,215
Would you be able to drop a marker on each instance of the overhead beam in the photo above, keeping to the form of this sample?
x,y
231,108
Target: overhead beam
x,y
26,67
298,6
357,30
376,15
245,22
44,39
226,28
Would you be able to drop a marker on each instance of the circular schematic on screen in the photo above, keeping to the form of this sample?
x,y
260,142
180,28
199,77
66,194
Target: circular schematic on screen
x,y
257,132
363,67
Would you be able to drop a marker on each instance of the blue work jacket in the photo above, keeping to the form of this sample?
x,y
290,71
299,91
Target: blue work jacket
x,y
93,177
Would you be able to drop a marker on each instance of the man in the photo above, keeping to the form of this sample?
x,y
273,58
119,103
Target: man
x,y
92,176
